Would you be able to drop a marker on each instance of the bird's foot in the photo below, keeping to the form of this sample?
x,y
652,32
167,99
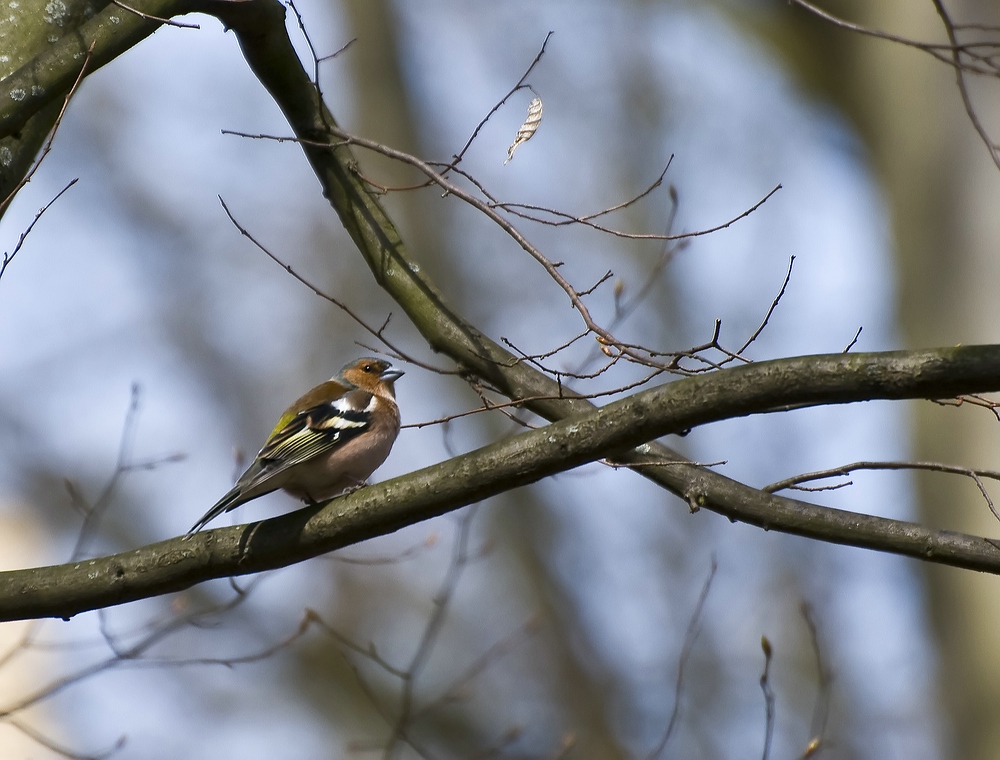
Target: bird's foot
x,y
356,487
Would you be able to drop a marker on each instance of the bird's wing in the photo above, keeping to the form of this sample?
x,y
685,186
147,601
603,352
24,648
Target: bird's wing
x,y
311,433
297,438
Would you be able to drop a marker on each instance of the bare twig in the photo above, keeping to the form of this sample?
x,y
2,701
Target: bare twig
x,y
52,136
377,333
519,86
765,686
821,711
305,625
312,52
167,21
94,513
49,744
124,464
943,53
120,657
970,110
973,400
975,58
338,51
632,352
976,476
693,629
9,257
405,736
480,665
370,652
410,553
459,560
771,308
854,340
562,218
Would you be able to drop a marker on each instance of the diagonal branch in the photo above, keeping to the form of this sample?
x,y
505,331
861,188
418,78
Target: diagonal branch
x,y
51,74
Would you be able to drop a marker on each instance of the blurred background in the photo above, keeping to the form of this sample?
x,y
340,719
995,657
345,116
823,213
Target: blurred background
x,y
562,619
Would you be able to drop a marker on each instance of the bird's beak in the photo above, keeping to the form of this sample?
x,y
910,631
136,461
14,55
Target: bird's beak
x,y
391,375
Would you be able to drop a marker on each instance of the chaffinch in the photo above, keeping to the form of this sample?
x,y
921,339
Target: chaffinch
x,y
327,442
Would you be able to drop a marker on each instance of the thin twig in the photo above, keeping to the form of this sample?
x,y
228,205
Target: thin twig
x,y
338,51
312,52
39,738
974,400
568,219
377,333
975,475
847,469
765,686
982,54
635,353
130,655
9,257
369,653
94,513
771,308
124,464
52,135
942,53
167,21
459,560
519,86
963,90
394,559
481,663
854,340
821,711
693,629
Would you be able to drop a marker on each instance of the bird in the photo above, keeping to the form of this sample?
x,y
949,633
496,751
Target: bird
x,y
327,442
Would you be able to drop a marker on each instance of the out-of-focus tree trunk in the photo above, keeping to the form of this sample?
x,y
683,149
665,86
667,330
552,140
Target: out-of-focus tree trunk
x,y
944,191
956,296
385,111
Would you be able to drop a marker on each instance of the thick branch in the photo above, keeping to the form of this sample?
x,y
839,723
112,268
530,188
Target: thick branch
x,y
65,590
50,74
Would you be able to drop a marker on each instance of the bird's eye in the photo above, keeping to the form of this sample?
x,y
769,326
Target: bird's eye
x,y
368,368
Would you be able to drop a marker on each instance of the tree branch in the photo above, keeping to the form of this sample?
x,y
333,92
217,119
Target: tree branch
x,y
65,590
51,74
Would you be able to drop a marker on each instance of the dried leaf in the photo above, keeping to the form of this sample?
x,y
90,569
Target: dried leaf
x,y
812,747
527,129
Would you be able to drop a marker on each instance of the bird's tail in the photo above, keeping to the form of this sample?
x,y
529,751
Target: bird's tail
x,y
230,501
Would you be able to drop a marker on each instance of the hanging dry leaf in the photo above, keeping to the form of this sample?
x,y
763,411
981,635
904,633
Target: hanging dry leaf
x,y
528,128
